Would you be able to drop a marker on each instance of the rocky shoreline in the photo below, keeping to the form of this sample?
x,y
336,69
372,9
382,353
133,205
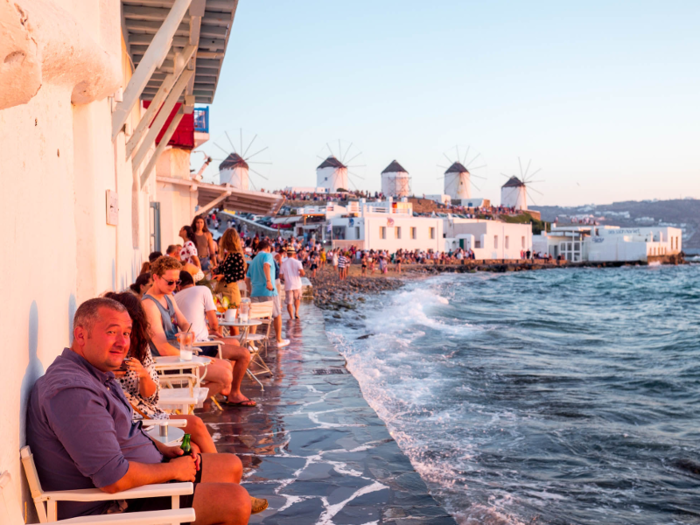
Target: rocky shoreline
x,y
330,293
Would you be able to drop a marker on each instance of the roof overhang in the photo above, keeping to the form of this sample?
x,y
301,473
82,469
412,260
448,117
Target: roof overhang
x,y
225,196
207,25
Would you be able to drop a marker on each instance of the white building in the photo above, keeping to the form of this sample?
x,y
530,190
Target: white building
x,y
582,243
234,171
332,175
395,181
488,239
85,176
457,182
514,194
385,225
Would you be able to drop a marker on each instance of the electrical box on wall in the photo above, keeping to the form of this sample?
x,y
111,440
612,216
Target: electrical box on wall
x,y
112,208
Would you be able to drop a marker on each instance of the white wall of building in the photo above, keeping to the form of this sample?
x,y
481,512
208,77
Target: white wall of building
x,y
57,164
332,178
396,184
488,239
457,185
514,196
236,177
177,203
611,244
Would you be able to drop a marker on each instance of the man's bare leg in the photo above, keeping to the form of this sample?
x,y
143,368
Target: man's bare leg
x,y
240,358
277,324
219,499
297,303
219,377
289,309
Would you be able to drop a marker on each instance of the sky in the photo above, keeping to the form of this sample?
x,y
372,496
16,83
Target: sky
x,y
600,96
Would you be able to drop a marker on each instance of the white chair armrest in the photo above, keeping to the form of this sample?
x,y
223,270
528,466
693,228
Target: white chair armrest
x,y
147,491
147,423
157,517
209,343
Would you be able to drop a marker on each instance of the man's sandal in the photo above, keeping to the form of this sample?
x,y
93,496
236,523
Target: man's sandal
x,y
257,505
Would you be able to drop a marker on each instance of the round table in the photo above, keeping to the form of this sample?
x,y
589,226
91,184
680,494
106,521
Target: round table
x,y
245,326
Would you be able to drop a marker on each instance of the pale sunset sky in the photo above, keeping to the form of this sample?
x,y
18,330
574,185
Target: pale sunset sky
x,y
601,96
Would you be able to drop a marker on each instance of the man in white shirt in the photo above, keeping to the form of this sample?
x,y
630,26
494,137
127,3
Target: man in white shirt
x,y
292,271
197,305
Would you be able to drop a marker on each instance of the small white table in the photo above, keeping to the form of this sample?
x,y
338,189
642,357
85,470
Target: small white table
x,y
174,362
245,326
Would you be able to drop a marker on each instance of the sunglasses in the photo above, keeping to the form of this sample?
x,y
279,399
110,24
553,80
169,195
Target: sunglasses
x,y
171,283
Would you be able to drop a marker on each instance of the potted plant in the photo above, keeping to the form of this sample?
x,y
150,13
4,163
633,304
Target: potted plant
x,y
230,315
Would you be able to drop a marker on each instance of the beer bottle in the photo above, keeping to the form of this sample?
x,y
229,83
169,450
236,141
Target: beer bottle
x,y
186,447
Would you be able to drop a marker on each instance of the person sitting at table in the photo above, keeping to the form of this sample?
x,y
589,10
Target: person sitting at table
x,y
164,318
81,431
140,380
142,284
197,305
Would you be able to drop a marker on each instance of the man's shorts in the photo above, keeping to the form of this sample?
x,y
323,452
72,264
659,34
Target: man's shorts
x,y
276,310
291,296
209,351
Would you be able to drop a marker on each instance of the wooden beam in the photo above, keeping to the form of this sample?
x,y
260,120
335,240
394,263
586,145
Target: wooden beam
x,y
154,14
163,115
213,203
161,147
151,28
158,99
154,57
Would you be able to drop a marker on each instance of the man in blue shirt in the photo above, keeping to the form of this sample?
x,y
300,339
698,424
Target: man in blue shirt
x,y
81,432
260,280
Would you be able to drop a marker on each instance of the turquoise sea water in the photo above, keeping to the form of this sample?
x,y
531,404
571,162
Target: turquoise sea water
x,y
559,396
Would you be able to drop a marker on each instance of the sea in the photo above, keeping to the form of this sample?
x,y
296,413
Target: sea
x,y
550,397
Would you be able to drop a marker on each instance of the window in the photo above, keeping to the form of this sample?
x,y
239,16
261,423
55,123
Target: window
x,y
522,242
477,244
357,232
382,232
413,233
507,243
432,233
495,241
397,232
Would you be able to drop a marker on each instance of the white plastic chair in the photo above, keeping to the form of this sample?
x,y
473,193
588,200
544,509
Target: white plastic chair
x,y
46,503
262,312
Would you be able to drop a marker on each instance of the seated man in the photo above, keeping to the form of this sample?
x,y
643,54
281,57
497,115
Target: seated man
x,y
197,305
81,432
164,319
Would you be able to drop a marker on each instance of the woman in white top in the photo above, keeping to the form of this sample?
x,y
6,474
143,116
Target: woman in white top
x,y
188,254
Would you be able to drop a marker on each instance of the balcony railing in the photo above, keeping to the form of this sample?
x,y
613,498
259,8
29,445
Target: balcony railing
x,y
201,120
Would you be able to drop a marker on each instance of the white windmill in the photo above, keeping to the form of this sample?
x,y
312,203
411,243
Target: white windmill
x,y
334,172
235,168
458,173
395,181
516,191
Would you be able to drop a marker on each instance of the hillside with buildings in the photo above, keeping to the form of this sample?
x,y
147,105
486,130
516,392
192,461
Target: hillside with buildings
x,y
679,213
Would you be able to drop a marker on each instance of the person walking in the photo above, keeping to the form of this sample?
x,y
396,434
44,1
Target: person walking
x,y
204,241
292,271
260,280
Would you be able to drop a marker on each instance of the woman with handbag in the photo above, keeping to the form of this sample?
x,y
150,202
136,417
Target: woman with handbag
x,y
232,268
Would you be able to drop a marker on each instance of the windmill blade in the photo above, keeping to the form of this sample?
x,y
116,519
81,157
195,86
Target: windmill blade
x,y
230,142
241,133
533,189
259,162
329,149
477,187
259,174
448,159
534,173
250,181
535,181
521,167
477,168
530,197
249,145
355,175
441,166
507,176
222,149
260,151
528,167
322,158
349,161
356,166
466,155
346,153
477,176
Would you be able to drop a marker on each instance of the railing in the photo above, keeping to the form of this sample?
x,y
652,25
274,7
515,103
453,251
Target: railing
x,y
201,119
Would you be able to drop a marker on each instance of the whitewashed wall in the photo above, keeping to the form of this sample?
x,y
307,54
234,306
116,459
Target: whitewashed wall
x,y
57,162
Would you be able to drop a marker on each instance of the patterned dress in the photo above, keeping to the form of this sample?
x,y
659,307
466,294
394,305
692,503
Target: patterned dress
x,y
130,384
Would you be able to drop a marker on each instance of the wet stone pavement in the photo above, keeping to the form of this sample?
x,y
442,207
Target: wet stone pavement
x,y
314,448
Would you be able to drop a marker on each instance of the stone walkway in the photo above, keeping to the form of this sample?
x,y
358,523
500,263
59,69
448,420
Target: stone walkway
x,y
314,448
